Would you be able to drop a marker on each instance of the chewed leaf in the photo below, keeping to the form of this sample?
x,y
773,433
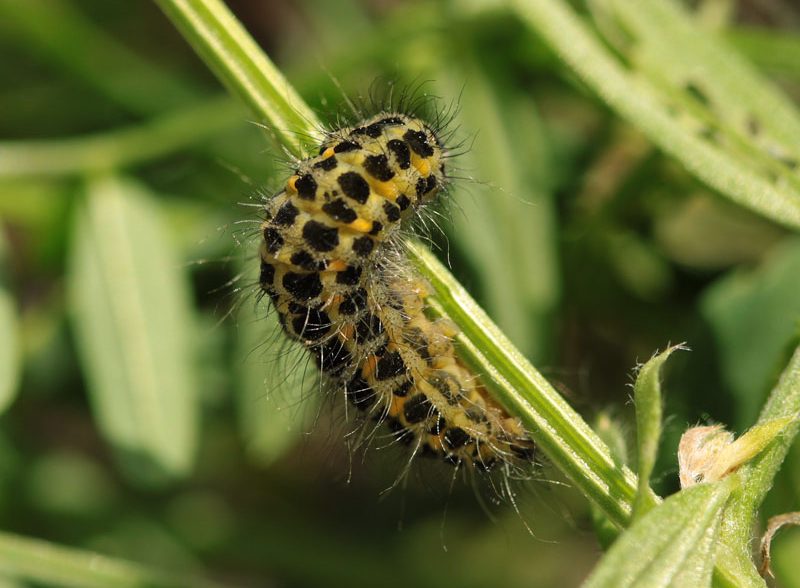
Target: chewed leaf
x,y
672,545
701,66
714,143
130,310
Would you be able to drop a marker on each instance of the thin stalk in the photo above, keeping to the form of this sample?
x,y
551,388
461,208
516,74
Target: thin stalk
x,y
41,562
120,148
758,475
560,432
563,435
232,54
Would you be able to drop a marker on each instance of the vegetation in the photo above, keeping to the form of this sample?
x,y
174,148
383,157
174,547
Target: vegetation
x,y
633,179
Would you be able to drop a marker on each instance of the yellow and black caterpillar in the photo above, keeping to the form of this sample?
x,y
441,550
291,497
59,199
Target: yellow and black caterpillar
x,y
332,264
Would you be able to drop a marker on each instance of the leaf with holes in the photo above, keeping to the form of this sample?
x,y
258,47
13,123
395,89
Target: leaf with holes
x,y
747,148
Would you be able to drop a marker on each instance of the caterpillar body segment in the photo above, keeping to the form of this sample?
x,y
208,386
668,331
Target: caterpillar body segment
x,y
332,263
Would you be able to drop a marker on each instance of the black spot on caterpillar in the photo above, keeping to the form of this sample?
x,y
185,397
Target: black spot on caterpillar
x,y
332,263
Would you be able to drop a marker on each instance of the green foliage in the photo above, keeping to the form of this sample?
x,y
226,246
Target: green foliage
x,y
275,401
622,199
672,545
9,339
58,566
673,67
132,324
647,397
753,309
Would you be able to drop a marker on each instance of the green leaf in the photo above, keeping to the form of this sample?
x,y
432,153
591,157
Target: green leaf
x,y
514,216
131,316
781,412
683,54
611,433
774,49
129,146
672,545
648,90
53,565
10,352
278,391
755,309
647,398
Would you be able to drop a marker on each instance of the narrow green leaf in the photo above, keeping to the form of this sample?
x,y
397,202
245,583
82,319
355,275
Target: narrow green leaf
x,y
774,49
130,310
735,569
750,445
758,475
514,215
10,353
613,435
559,431
32,560
755,309
123,147
278,391
9,350
707,144
672,545
647,398
685,53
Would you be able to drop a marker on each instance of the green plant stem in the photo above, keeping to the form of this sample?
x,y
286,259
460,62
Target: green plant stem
x,y
42,562
562,434
758,475
566,439
121,148
236,59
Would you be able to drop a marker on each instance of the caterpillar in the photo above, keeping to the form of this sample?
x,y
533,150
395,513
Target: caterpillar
x,y
332,264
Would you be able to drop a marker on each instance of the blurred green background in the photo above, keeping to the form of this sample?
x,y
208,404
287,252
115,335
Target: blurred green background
x,y
153,413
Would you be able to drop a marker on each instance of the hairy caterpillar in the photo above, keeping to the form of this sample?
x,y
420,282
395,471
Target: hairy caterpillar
x,y
333,266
